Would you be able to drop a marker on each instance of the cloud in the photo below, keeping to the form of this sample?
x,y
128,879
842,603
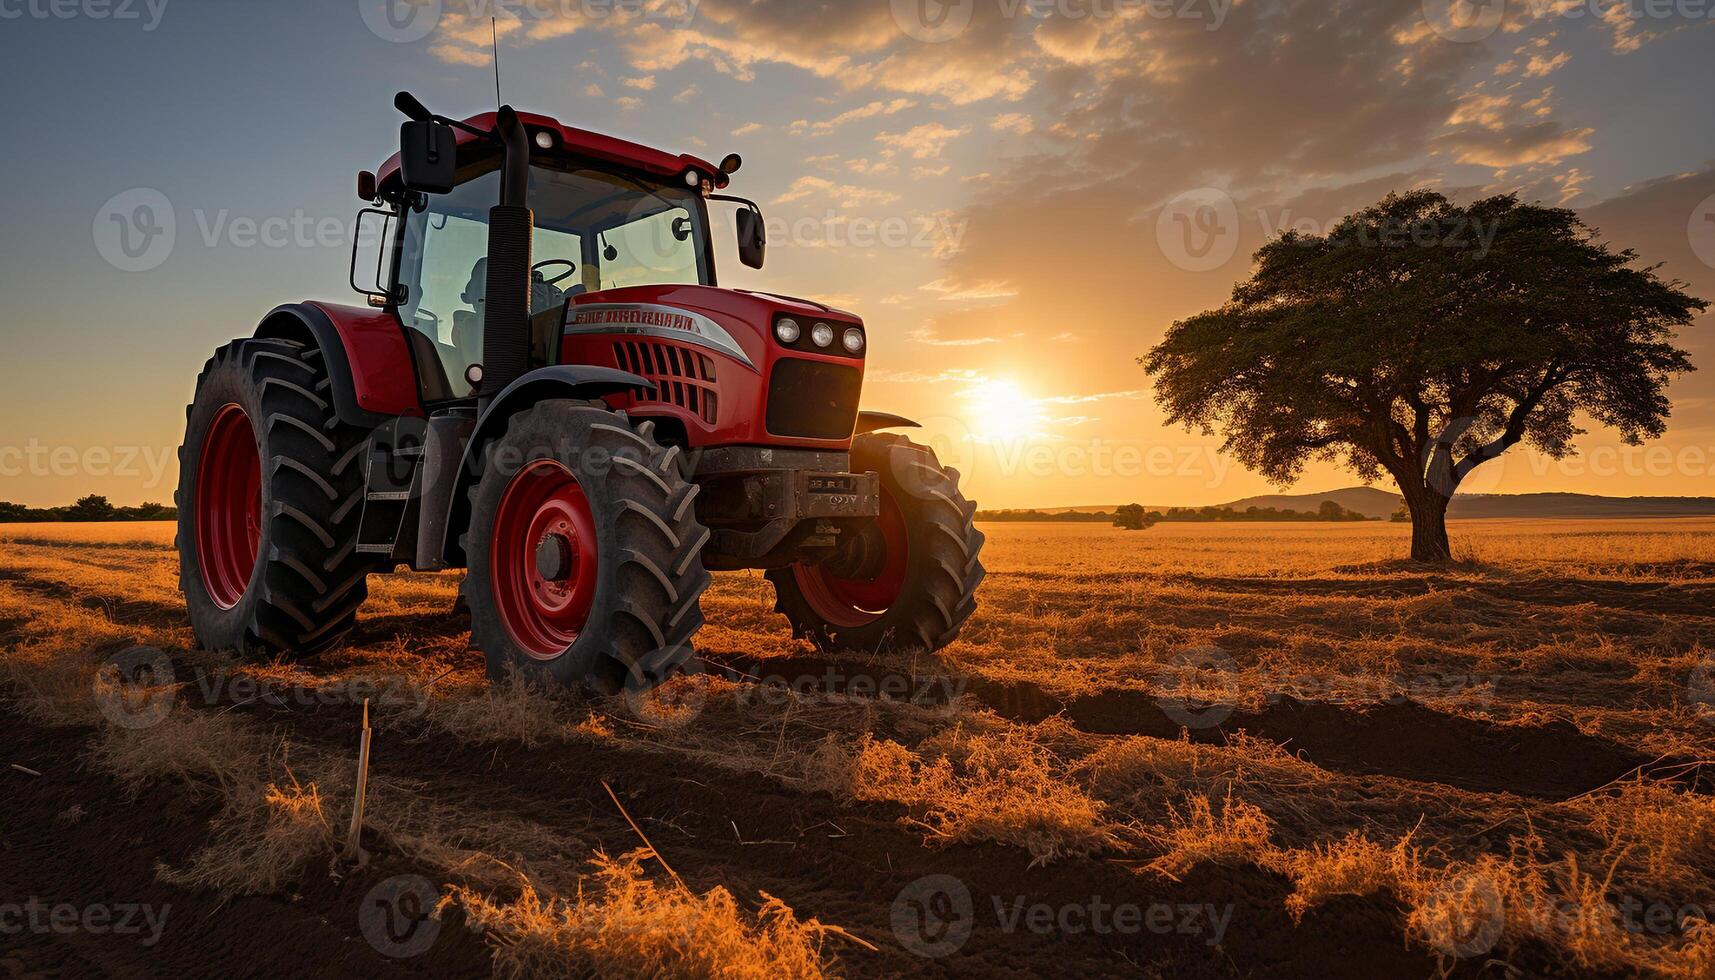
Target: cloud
x,y
841,195
453,54
688,93
1540,65
825,126
922,142
645,83
877,168
749,129
1012,122
989,289
1129,395
927,336
921,377
860,46
1538,142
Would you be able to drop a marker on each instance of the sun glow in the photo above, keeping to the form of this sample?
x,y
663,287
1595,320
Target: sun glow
x,y
1000,410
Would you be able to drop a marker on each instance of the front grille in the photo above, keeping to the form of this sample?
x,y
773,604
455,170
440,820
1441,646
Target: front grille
x,y
682,376
813,399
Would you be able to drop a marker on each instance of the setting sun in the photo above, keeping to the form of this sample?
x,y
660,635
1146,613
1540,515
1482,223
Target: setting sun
x,y
1000,409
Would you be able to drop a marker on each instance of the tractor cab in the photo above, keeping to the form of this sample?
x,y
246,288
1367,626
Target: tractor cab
x,y
592,231
607,214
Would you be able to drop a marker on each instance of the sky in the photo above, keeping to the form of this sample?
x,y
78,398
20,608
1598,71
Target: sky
x,y
1010,192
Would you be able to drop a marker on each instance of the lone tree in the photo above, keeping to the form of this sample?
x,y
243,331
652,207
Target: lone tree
x,y
1422,339
91,508
1132,517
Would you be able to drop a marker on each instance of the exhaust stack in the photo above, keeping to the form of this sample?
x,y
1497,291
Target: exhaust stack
x,y
506,319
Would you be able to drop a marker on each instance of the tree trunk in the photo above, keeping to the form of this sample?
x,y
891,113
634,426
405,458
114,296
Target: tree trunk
x,y
1428,524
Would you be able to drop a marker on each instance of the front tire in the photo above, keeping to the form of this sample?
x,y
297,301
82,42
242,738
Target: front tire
x,y
914,584
270,494
585,552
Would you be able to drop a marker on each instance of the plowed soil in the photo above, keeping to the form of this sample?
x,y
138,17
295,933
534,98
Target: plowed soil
x,y
1066,791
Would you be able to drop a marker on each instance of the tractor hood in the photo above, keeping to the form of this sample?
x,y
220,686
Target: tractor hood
x,y
719,366
735,322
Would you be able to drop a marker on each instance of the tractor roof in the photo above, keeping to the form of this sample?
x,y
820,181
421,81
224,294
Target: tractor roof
x,y
609,150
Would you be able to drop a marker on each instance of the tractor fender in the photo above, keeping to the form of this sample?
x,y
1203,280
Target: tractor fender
x,y
374,379
876,421
557,381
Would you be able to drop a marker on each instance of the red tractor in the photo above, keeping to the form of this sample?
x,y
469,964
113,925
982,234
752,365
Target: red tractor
x,y
549,390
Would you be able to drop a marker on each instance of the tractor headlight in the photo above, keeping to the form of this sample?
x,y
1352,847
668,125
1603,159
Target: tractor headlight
x,y
822,334
853,340
787,330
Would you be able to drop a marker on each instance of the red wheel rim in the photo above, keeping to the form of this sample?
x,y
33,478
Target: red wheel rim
x,y
228,506
850,603
543,608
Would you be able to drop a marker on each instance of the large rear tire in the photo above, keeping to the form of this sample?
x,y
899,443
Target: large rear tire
x,y
910,581
270,494
585,552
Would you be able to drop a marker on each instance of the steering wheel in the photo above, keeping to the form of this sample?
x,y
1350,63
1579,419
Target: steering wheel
x,y
537,274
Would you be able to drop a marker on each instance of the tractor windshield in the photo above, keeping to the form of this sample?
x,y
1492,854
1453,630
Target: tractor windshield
x,y
594,230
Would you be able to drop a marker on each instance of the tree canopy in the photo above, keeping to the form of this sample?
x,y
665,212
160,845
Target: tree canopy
x,y
1421,339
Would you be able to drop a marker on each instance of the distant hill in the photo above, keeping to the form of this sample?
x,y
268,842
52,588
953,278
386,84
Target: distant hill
x,y
1367,501
1374,502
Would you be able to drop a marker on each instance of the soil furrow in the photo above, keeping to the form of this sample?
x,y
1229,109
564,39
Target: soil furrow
x,y
1400,738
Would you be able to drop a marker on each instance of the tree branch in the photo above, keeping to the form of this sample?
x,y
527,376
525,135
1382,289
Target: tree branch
x,y
1510,436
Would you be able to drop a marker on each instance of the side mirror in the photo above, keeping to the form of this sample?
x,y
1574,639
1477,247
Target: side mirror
x,y
428,156
374,233
752,237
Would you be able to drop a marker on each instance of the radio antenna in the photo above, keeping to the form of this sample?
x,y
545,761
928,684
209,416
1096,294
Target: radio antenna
x,y
494,39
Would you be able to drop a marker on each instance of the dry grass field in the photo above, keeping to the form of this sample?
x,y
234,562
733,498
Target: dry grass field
x,y
1194,751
